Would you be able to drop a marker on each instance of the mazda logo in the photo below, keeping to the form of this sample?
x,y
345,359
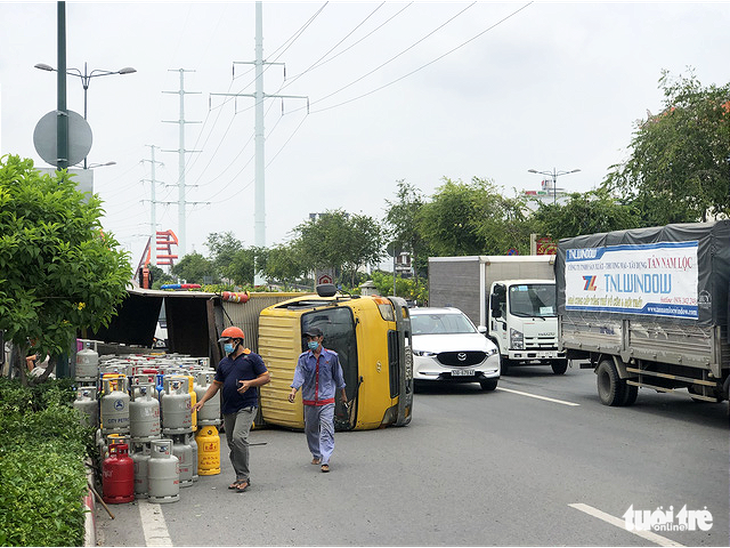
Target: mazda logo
x,y
461,356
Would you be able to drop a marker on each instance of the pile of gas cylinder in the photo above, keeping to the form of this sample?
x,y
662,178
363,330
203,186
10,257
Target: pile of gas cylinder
x,y
150,439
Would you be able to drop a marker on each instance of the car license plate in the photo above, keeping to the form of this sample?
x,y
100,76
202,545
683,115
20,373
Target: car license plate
x,y
462,372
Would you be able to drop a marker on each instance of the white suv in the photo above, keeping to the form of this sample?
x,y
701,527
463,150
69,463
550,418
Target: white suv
x,y
447,347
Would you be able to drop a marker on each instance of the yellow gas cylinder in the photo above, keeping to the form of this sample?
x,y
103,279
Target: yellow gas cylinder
x,y
193,400
209,451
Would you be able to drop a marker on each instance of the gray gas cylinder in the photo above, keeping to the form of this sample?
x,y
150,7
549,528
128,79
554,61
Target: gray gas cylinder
x,y
177,414
87,364
184,452
144,413
88,405
190,438
163,473
115,406
210,413
141,457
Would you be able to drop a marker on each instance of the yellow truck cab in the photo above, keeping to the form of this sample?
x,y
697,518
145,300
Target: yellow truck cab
x,y
371,335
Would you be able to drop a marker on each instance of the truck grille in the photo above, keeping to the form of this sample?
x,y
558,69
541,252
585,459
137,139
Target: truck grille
x,y
463,359
540,343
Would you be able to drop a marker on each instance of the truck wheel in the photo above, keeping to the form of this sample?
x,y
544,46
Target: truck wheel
x,y
488,385
611,389
559,366
630,394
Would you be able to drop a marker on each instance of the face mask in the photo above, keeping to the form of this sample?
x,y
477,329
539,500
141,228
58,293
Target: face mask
x,y
228,348
313,345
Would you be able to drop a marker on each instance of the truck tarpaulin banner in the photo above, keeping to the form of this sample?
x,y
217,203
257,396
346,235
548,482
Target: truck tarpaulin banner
x,y
653,279
677,272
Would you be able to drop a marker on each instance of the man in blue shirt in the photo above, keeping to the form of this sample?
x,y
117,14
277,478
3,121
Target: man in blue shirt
x,y
319,375
238,374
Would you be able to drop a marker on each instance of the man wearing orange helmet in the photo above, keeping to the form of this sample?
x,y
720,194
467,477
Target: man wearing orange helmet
x,y
238,374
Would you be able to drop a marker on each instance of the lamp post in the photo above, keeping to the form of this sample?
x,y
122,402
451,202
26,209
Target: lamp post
x,y
86,79
105,164
554,174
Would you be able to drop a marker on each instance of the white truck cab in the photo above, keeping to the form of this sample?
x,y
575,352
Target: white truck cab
x,y
522,321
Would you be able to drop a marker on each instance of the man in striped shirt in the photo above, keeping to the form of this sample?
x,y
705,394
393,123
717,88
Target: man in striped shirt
x,y
319,375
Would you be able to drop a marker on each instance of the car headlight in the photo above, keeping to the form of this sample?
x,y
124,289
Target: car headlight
x,y
424,353
491,351
516,339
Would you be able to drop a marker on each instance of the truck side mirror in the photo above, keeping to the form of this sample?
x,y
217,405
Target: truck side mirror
x,y
494,305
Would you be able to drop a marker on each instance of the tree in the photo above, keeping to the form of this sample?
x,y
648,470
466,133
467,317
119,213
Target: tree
x,y
679,168
243,266
473,219
193,268
401,218
285,264
588,213
59,272
339,240
159,276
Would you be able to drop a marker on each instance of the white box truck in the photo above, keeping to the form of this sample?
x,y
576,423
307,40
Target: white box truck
x,y
649,308
512,300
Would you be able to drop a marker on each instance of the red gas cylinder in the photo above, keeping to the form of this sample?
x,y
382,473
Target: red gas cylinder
x,y
118,475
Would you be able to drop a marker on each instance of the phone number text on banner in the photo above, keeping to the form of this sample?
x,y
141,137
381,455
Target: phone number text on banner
x,y
657,279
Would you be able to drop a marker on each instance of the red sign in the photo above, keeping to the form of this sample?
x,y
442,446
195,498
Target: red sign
x,y
546,246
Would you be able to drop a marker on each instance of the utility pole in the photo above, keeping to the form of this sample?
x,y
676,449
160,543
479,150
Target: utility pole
x,y
181,203
259,97
62,112
153,200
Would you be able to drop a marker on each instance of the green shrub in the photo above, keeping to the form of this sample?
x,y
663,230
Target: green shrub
x,y
42,451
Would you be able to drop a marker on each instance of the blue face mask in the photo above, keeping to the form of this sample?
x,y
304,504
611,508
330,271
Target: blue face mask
x,y
228,348
312,345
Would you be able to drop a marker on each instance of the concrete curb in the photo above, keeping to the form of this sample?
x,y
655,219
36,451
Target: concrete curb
x,y
90,505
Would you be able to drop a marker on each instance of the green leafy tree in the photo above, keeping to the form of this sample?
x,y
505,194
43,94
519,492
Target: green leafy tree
x,y
159,276
194,268
401,220
243,266
286,264
679,167
410,289
232,260
339,240
586,213
473,219
59,272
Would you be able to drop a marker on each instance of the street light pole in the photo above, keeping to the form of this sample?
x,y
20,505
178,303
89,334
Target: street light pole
x,y
85,79
554,174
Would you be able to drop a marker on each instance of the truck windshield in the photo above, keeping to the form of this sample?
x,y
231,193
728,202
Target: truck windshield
x,y
532,300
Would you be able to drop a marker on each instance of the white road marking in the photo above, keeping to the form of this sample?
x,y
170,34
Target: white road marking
x,y
561,402
153,525
618,522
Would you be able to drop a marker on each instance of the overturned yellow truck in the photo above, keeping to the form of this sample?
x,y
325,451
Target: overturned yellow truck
x,y
372,336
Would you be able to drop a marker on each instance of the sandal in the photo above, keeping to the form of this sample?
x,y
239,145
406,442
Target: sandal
x,y
316,461
242,486
236,483
325,468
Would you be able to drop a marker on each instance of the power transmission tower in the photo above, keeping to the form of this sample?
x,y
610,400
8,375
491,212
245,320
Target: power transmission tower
x,y
181,202
153,196
259,96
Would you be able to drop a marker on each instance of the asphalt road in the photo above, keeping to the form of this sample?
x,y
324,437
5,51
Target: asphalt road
x,y
539,462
